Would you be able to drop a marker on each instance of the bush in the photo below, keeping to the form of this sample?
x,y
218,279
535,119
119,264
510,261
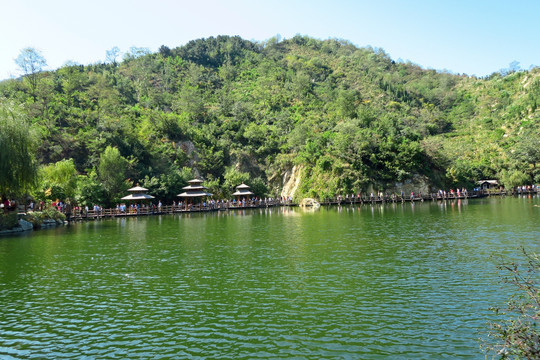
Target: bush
x,y
517,334
54,214
8,221
37,217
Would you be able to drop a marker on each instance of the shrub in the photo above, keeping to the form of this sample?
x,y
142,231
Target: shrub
x,y
8,221
37,217
517,334
53,214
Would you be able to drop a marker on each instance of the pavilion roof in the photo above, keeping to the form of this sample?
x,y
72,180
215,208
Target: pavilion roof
x,y
242,192
494,182
137,188
191,187
138,197
189,194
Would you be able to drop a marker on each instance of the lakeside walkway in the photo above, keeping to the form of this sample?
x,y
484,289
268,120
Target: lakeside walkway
x,y
393,198
80,215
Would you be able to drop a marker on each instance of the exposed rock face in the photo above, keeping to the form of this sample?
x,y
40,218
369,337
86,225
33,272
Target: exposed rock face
x,y
191,151
247,163
418,184
291,181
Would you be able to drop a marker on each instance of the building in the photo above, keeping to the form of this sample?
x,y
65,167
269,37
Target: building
x,y
194,194
488,184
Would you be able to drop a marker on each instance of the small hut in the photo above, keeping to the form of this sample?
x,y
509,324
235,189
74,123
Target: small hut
x,y
242,193
138,195
488,184
194,193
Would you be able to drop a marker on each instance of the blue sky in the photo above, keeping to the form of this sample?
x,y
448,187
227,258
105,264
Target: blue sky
x,y
475,37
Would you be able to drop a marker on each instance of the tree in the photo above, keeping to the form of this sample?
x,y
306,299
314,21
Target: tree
x,y
89,190
111,172
258,187
31,63
168,185
139,70
526,155
517,336
112,55
165,51
60,179
513,178
136,52
233,178
18,169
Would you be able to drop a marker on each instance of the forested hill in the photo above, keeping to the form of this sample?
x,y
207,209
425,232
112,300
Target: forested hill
x,y
346,119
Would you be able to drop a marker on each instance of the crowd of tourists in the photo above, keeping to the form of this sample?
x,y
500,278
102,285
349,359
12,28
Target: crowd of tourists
x,y
458,193
382,196
159,207
211,204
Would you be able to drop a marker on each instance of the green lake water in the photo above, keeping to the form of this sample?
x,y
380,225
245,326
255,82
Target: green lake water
x,y
399,281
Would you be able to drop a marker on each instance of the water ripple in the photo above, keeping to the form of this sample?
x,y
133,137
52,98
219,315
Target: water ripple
x,y
338,285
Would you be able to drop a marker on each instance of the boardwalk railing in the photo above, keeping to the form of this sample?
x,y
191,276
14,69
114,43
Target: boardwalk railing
x,y
365,198
81,213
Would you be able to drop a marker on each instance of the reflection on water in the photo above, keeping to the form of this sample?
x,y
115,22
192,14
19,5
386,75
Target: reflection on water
x,y
401,207
398,280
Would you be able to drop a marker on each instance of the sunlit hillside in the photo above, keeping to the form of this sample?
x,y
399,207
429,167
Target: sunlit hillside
x,y
340,118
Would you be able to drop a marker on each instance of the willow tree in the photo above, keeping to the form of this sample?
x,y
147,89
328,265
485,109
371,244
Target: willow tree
x,y
18,168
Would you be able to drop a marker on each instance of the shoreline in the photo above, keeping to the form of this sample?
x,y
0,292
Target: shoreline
x,y
49,224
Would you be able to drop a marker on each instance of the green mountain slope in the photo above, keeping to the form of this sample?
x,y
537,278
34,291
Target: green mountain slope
x,y
346,119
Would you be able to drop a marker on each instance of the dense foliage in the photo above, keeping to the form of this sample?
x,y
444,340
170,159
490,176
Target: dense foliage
x,y
227,110
17,164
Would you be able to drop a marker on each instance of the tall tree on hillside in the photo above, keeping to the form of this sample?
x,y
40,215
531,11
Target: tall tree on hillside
x,y
139,70
112,55
18,169
111,171
526,155
31,63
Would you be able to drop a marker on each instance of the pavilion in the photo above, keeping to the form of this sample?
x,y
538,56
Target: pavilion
x,y
194,191
138,193
242,192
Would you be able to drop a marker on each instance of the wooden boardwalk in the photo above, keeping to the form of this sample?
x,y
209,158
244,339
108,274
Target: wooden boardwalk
x,y
82,215
393,198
